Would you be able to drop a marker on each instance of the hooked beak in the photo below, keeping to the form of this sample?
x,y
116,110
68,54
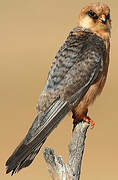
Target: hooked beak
x,y
103,19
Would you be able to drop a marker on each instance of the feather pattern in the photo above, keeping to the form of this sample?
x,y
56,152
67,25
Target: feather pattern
x,y
77,65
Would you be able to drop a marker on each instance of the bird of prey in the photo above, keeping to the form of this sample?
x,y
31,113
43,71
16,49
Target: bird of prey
x,y
77,75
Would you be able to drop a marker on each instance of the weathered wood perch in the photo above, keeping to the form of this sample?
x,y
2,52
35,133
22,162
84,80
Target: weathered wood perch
x,y
71,170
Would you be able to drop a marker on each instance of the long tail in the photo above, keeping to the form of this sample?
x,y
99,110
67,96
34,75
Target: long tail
x,y
40,130
36,136
21,158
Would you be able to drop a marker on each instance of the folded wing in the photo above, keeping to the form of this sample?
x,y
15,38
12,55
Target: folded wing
x,y
85,53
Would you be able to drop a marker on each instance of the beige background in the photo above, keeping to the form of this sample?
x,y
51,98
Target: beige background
x,y
31,32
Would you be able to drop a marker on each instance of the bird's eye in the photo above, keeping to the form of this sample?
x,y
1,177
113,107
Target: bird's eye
x,y
108,16
92,14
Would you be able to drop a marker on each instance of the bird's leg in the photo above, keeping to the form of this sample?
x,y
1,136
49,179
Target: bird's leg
x,y
83,117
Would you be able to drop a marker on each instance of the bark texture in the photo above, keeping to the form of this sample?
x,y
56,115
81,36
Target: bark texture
x,y
72,169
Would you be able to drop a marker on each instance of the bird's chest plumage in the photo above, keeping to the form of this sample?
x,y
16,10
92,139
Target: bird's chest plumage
x,y
96,88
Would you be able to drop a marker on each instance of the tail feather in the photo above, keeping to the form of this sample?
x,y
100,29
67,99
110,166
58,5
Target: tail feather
x,y
39,131
19,160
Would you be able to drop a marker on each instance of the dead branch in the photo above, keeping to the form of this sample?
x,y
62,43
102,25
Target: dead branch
x,y
71,170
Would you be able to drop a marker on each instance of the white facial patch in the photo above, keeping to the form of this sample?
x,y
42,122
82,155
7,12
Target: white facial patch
x,y
86,22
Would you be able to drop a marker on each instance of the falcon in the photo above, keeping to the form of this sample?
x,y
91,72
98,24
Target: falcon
x,y
77,75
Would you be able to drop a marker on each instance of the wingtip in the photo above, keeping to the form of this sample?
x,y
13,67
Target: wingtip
x,y
8,170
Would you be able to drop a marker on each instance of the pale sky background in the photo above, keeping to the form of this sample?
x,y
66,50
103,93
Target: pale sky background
x,y
31,32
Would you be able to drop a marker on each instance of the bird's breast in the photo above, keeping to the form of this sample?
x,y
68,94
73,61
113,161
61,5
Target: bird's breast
x,y
95,89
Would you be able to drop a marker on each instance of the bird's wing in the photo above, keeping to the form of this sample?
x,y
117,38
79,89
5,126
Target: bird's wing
x,y
78,65
69,80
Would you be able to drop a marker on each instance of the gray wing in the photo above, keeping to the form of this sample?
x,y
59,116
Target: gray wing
x,y
77,66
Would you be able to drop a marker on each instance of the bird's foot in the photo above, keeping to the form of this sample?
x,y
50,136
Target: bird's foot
x,y
89,121
84,118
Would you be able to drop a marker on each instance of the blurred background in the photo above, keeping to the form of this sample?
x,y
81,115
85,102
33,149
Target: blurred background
x,y
31,32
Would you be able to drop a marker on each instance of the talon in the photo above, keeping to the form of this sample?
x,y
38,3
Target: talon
x,y
89,121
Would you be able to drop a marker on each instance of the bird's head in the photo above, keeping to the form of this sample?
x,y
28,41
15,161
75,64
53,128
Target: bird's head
x,y
96,17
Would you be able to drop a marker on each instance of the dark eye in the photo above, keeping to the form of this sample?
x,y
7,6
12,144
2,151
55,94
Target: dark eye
x,y
92,14
108,16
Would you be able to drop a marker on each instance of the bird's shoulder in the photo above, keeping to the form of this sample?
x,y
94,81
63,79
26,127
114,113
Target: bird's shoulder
x,y
79,44
79,54
85,37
